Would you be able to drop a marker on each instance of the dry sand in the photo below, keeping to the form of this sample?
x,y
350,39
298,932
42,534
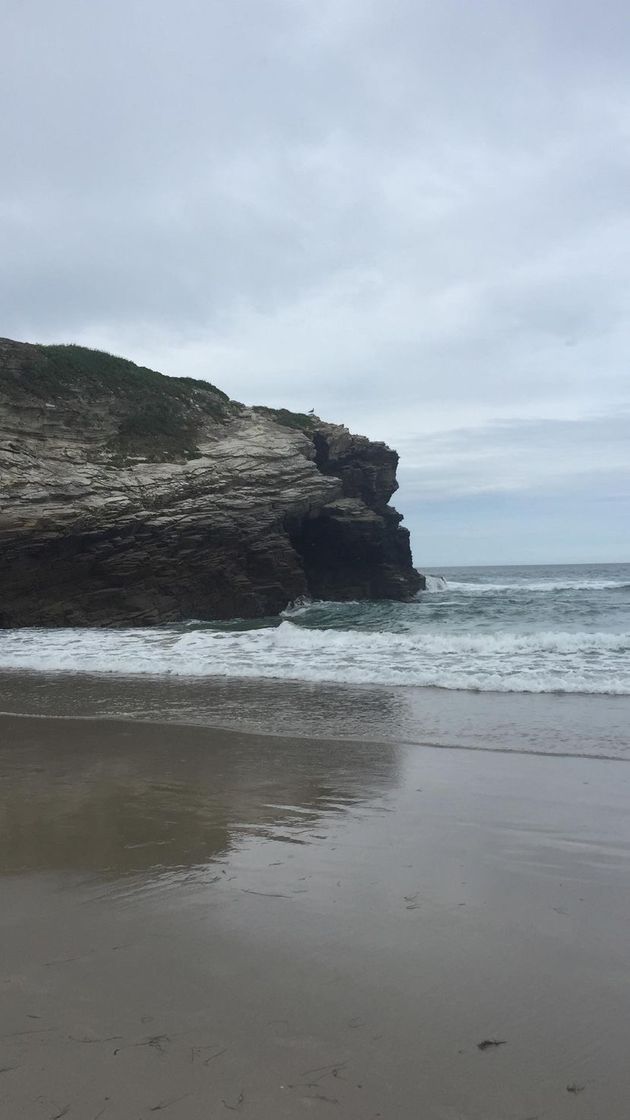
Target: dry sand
x,y
200,924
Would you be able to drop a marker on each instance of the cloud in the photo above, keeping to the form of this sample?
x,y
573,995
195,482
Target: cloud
x,y
410,216
540,458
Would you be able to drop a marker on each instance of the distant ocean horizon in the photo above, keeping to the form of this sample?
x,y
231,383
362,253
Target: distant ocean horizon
x,y
439,567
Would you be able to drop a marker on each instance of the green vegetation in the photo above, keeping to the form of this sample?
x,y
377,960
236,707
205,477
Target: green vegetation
x,y
302,421
157,417
156,431
151,416
76,367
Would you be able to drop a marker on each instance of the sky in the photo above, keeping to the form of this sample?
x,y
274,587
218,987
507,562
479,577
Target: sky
x,y
410,215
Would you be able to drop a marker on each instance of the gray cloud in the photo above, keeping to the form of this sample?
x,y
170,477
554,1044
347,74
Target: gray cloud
x,y
411,216
545,457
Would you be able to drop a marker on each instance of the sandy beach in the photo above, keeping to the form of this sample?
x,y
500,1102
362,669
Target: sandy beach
x,y
200,923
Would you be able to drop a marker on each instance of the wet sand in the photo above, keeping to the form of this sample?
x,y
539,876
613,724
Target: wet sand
x,y
544,723
198,924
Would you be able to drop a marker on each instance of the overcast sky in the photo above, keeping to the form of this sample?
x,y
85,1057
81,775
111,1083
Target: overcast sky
x,y
411,215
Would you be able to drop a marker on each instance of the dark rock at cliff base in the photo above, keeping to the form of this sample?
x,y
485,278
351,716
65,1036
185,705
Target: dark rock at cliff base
x,y
130,498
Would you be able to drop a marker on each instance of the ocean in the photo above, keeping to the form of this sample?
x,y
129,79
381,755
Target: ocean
x,y
527,658
560,629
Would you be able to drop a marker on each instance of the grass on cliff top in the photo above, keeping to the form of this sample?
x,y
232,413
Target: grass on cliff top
x,y
75,367
301,421
158,417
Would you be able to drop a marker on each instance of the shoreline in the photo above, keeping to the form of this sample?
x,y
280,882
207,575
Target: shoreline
x,y
584,725
292,735
298,681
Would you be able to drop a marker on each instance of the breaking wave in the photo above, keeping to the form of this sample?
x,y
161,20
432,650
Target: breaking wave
x,y
435,583
584,662
562,629
534,585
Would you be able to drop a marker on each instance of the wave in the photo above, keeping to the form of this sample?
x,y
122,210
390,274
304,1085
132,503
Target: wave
x,y
435,583
304,604
539,585
480,644
501,662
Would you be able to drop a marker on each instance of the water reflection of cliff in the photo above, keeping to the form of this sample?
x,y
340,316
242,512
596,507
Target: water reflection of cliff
x,y
113,798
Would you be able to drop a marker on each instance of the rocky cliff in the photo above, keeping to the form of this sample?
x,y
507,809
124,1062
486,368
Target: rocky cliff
x,y
129,498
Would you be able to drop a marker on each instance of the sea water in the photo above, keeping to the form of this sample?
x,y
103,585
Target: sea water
x,y
543,629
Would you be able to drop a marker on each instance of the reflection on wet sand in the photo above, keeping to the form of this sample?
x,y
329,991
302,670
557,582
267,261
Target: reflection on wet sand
x,y
168,798
195,923
259,706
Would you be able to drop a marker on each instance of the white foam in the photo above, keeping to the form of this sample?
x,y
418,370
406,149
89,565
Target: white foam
x,y
298,607
506,662
540,585
435,583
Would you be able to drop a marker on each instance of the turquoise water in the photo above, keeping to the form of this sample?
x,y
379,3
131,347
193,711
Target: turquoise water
x,y
495,600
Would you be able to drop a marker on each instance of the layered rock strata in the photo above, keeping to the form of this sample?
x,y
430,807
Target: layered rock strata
x,y
129,498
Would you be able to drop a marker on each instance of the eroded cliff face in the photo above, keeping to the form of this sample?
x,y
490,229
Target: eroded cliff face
x,y
128,498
